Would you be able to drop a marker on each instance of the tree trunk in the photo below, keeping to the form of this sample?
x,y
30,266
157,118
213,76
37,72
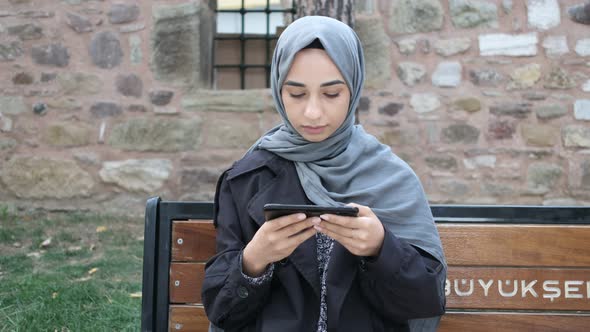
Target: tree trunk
x,y
342,10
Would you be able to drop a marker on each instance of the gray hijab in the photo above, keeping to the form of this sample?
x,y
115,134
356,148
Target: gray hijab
x,y
350,165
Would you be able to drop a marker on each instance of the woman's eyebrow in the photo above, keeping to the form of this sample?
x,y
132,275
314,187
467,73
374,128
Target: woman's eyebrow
x,y
334,82
294,83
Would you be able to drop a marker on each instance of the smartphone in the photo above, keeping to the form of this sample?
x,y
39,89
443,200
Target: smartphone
x,y
273,211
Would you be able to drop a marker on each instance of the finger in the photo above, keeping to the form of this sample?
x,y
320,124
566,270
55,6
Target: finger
x,y
296,240
340,230
364,211
285,221
347,242
350,222
295,228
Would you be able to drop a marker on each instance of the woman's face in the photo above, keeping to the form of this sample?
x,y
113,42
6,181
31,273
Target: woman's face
x,y
315,95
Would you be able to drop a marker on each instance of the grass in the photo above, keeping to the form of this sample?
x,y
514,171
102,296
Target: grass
x,y
87,279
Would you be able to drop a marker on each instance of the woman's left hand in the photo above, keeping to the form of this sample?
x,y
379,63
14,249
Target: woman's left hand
x,y
362,235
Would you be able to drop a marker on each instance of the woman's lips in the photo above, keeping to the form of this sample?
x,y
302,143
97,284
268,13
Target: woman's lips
x,y
314,130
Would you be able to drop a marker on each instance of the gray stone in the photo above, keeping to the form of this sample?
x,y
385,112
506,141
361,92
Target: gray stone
x,y
486,77
65,103
534,95
473,13
5,124
137,108
202,179
46,178
580,13
469,104
364,104
35,14
517,110
447,75
48,77
23,78
123,13
132,27
424,102
525,77
492,93
19,2
12,104
487,161
52,55
67,135
181,43
509,45
79,84
543,14
453,188
161,97
407,46
161,134
78,23
105,50
376,44
27,31
539,135
583,47
585,184
497,189
575,136
542,178
226,101
442,162
410,73
87,158
40,108
400,137
501,129
137,175
166,110
547,112
135,53
555,46
391,109
10,51
507,6
460,133
453,46
558,78
7,144
586,86
582,109
129,85
228,133
412,16
103,109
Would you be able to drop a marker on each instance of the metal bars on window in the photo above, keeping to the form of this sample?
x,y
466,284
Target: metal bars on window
x,y
243,37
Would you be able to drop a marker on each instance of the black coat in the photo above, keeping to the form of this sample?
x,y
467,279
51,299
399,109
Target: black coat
x,y
379,294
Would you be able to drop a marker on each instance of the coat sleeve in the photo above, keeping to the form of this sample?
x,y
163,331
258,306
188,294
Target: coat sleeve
x,y
231,300
403,282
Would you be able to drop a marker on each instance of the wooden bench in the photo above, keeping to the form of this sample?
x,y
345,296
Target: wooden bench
x,y
511,268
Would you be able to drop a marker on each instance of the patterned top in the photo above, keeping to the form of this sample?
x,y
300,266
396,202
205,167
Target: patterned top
x,y
324,246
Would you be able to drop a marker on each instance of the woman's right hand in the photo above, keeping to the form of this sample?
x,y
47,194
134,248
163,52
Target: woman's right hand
x,y
275,240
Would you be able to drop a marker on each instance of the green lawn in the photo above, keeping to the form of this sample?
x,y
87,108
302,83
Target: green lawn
x,y
87,279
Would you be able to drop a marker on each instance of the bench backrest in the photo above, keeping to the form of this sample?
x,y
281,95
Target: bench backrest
x,y
511,268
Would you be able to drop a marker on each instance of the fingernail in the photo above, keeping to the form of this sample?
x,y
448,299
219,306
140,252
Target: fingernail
x,y
317,228
301,216
325,217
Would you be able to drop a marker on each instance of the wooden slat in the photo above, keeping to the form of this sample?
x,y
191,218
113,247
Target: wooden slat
x,y
565,289
193,240
186,280
517,322
516,245
187,319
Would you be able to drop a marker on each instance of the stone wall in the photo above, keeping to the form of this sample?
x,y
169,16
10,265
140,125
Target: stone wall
x,y
106,103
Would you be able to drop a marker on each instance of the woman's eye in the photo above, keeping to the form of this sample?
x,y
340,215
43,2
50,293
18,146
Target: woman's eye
x,y
296,95
332,95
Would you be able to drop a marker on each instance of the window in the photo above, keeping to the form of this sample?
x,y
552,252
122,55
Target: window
x,y
246,35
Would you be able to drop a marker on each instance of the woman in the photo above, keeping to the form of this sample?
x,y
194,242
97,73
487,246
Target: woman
x,y
381,271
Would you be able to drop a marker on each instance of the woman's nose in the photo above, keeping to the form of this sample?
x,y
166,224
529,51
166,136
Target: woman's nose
x,y
312,109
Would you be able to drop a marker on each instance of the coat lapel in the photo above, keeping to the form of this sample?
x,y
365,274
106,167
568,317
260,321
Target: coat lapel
x,y
284,188
341,272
